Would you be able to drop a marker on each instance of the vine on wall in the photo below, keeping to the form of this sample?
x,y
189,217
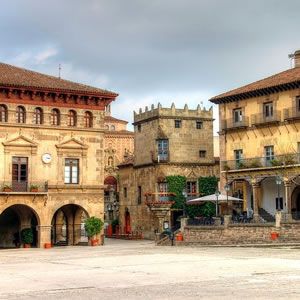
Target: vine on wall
x,y
176,184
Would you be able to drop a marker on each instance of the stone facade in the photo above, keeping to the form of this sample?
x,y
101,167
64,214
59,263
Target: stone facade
x,y
168,141
52,163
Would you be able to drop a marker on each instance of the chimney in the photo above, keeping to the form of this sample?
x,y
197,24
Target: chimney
x,y
297,58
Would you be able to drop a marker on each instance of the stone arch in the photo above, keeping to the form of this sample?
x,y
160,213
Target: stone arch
x,y
13,219
295,203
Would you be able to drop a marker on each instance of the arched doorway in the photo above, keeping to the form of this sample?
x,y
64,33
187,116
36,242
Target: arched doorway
x,y
296,203
12,220
68,226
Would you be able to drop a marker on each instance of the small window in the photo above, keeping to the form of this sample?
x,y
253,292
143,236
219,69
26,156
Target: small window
x,y
139,127
112,127
106,127
125,192
3,113
71,171
88,119
38,116
72,118
238,115
177,124
139,194
20,114
162,149
202,153
268,109
191,188
55,117
269,155
199,125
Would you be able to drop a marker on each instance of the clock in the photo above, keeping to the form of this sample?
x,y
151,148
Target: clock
x,y
46,158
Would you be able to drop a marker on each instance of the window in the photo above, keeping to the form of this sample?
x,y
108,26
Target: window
x,y
72,118
71,170
125,192
88,119
106,127
238,156
177,124
139,127
268,109
112,127
269,153
55,117
3,113
162,149
238,115
139,194
202,153
38,116
162,191
199,125
20,114
191,188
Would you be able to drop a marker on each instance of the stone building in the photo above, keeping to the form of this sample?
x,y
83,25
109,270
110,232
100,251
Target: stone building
x,y
260,143
51,156
118,146
168,141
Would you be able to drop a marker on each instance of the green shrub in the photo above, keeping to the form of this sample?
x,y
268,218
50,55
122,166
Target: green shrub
x,y
93,226
27,236
176,184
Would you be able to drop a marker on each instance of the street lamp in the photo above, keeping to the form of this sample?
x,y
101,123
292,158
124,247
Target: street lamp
x,y
278,182
217,193
227,189
184,194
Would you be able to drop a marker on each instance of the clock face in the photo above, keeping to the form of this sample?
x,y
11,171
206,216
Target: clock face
x,y
46,158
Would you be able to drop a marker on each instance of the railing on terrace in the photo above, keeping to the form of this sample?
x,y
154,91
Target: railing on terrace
x,y
262,162
24,186
261,119
291,113
161,156
230,124
159,197
201,222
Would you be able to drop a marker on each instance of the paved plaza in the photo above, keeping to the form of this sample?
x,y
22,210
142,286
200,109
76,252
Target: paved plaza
x,y
140,270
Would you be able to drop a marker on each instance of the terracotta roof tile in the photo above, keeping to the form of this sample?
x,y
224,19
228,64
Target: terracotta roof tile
x,y
280,79
19,77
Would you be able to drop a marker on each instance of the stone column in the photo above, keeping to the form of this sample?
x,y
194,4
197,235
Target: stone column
x,y
288,199
255,187
44,235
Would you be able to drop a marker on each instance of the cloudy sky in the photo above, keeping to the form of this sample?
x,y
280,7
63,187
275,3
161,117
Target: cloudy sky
x,y
181,51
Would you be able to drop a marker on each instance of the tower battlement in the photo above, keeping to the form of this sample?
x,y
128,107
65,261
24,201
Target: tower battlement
x,y
173,112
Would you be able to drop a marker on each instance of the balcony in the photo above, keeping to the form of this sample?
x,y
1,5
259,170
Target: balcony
x,y
20,187
231,124
261,119
279,161
292,113
160,156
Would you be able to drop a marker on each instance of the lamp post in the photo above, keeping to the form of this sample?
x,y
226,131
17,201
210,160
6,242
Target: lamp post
x,y
278,182
227,189
217,193
184,208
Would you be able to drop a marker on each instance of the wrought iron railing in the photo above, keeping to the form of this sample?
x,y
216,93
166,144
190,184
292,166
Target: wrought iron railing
x,y
260,119
201,222
24,186
282,160
242,219
161,156
291,113
232,124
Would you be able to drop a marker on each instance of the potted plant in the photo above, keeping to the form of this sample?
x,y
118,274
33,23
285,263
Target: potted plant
x,y
34,188
115,224
7,188
241,165
93,226
226,167
275,162
27,237
254,164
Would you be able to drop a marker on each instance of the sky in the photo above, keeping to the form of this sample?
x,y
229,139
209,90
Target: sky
x,y
181,51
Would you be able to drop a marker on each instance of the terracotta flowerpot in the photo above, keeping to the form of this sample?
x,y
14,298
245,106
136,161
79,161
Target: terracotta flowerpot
x,y
7,190
47,245
34,190
274,235
26,245
94,242
179,238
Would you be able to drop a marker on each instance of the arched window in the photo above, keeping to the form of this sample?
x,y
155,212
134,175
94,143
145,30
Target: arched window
x,y
20,114
112,127
3,113
55,117
106,127
72,118
38,116
88,119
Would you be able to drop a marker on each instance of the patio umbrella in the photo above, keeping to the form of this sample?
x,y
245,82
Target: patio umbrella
x,y
212,198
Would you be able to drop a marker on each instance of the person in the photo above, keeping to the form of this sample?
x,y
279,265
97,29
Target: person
x,y
17,240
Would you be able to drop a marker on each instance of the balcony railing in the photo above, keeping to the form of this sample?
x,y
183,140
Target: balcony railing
x,y
231,124
161,156
262,162
24,186
291,113
261,119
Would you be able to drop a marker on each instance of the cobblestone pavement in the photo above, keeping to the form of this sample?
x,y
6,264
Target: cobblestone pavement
x,y
139,270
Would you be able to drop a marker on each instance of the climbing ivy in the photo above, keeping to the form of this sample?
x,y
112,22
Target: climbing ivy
x,y
207,185
175,185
